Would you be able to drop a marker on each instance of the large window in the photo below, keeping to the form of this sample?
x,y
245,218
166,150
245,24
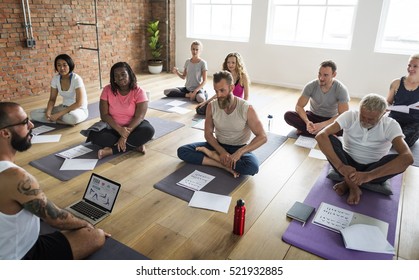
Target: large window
x,y
399,27
313,23
219,19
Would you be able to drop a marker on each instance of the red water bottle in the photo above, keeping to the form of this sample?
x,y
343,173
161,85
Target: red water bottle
x,y
239,217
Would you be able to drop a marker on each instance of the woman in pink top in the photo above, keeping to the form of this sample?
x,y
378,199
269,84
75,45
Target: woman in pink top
x,y
235,65
123,105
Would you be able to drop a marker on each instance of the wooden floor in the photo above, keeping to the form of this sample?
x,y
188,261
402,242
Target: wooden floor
x,y
161,226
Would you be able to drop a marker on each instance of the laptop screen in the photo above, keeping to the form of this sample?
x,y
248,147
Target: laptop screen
x,y
101,192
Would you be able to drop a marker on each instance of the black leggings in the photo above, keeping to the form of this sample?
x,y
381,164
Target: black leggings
x,y
348,160
109,137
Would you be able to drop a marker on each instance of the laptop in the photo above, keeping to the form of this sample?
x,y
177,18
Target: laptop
x,y
98,199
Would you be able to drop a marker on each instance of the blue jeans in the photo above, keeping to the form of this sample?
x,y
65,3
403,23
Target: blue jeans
x,y
248,164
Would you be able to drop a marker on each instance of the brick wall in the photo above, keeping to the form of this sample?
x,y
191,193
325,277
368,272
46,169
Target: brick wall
x,y
122,37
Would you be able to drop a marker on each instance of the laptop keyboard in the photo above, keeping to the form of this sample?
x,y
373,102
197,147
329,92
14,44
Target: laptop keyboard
x,y
88,210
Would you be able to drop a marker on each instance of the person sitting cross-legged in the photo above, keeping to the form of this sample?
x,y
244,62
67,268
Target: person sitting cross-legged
x,y
363,156
233,120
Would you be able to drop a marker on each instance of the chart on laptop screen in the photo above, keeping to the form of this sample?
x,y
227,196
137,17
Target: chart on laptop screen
x,y
102,192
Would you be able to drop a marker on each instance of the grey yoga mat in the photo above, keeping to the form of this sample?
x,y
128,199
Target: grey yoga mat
x,y
223,183
51,164
162,103
112,250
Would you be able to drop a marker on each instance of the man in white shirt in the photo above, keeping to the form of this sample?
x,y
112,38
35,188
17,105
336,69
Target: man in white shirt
x,y
363,156
23,203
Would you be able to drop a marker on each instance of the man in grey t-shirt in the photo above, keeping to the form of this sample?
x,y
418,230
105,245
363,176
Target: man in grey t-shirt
x,y
328,99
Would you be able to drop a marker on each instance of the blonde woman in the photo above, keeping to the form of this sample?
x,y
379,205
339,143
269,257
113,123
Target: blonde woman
x,y
405,91
195,74
235,65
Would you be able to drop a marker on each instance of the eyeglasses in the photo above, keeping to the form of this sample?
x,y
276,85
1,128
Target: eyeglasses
x,y
24,122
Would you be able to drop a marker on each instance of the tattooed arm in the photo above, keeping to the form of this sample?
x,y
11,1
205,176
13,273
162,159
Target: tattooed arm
x,y
32,198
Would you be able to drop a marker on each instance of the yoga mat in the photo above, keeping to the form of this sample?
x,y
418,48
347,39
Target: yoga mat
x,y
163,127
161,104
328,244
112,250
224,182
51,164
93,113
293,134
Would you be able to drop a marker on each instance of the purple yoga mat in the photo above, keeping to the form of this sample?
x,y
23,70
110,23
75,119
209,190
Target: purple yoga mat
x,y
328,244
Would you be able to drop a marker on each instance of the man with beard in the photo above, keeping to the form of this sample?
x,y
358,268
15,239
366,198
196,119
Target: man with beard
x,y
328,99
363,157
23,203
233,120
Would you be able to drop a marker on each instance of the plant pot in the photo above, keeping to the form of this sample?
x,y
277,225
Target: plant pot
x,y
155,66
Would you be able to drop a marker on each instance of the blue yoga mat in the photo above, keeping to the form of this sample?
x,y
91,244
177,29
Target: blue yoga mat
x,y
328,244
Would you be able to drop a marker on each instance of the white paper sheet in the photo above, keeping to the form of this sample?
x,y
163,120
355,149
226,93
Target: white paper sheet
x,y
199,124
210,201
316,153
404,108
74,152
306,142
36,139
196,180
176,103
79,164
179,110
366,238
41,129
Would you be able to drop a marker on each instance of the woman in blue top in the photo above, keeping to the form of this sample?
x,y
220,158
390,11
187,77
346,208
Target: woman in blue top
x,y
70,86
405,91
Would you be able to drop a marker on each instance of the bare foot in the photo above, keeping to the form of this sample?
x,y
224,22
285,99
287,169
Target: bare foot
x,y
104,152
354,195
235,174
141,149
211,154
341,188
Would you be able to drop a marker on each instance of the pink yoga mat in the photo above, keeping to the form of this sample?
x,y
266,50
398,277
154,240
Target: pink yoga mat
x,y
328,244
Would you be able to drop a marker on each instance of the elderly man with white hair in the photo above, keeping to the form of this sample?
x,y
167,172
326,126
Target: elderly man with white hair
x,y
363,156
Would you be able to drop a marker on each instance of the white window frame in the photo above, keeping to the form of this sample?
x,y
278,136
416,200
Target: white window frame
x,y
400,41
323,42
228,27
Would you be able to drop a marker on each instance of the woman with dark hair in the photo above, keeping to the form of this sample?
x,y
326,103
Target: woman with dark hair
x,y
70,86
123,106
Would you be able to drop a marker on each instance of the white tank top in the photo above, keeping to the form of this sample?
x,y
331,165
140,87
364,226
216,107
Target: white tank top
x,y
231,129
18,232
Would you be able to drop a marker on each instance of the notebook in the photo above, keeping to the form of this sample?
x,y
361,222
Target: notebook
x,y
98,200
300,212
336,219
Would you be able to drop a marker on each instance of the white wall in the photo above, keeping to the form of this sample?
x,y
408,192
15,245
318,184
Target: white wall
x,y
361,69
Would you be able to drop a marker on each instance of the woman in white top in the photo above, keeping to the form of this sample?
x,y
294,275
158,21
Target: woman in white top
x,y
70,86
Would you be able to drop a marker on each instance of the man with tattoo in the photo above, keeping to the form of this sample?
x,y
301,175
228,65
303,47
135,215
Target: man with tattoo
x,y
23,203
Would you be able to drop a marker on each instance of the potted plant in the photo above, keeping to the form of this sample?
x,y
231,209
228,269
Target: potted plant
x,y
155,65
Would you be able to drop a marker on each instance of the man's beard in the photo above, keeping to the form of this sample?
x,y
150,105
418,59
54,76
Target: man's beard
x,y
21,143
367,125
224,102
